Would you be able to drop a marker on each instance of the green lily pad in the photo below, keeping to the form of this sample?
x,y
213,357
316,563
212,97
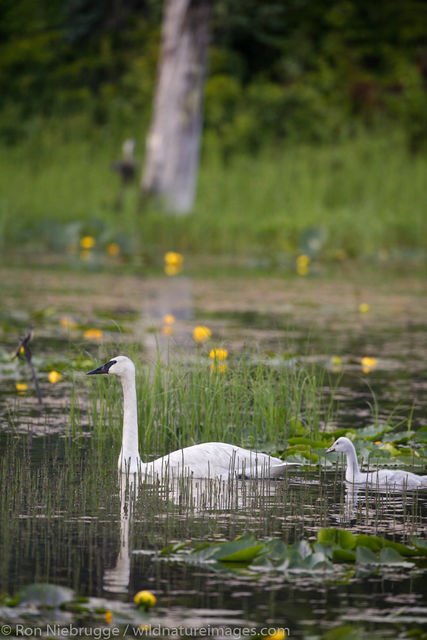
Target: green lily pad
x,y
366,556
343,632
390,556
373,431
340,537
343,555
420,545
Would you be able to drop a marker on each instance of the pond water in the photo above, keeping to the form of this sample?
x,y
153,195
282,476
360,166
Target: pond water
x,y
66,520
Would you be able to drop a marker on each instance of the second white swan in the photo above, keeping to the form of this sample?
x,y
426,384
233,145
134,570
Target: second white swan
x,y
382,478
209,459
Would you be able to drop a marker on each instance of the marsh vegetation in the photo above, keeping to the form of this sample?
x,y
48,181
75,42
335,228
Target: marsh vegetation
x,y
288,385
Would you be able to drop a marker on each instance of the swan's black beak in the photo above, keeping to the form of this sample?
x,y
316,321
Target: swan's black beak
x,y
102,369
331,449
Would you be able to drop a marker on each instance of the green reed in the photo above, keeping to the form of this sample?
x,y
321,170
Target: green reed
x,y
180,404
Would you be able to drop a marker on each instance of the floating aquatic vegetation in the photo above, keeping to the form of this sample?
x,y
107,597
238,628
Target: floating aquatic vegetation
x,y
302,264
173,263
201,333
368,363
364,307
145,599
93,334
218,354
87,242
54,377
333,549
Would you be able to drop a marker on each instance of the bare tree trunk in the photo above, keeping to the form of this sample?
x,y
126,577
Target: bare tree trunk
x,y
173,142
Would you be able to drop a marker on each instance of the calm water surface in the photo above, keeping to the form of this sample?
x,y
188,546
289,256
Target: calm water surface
x,y
65,519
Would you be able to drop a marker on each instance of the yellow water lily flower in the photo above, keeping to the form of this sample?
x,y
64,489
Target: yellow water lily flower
x,y
303,262
174,258
113,249
168,319
279,634
108,617
201,333
173,263
364,307
336,361
93,334
145,599
67,322
218,354
87,242
167,330
369,362
54,377
21,387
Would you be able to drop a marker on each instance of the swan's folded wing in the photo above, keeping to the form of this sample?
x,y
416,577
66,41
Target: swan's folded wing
x,y
269,471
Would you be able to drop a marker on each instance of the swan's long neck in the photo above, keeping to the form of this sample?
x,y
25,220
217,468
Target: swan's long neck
x,y
352,472
130,420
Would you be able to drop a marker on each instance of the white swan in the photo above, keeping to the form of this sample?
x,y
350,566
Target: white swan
x,y
210,459
386,478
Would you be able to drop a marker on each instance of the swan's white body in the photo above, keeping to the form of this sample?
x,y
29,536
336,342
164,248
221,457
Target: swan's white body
x,y
382,478
210,459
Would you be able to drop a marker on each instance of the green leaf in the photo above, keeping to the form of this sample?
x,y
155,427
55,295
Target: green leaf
x,y
243,555
343,555
366,556
341,537
400,548
372,432
343,632
390,556
421,435
302,548
420,545
244,549
388,446
296,427
374,543
173,548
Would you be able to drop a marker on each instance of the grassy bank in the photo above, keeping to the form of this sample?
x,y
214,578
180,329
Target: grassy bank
x,y
354,198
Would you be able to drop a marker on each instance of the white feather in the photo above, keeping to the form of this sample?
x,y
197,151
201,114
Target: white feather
x,y
382,478
210,459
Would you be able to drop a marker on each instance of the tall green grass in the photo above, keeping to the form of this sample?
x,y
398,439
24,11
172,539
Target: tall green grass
x,y
248,405
364,194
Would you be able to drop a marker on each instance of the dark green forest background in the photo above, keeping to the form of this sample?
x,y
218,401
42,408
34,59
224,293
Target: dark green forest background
x,y
283,75
299,69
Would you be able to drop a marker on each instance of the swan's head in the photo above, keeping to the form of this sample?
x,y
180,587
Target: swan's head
x,y
342,445
120,366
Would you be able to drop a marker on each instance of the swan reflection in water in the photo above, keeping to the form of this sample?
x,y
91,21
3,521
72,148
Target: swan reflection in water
x,y
182,496
380,508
